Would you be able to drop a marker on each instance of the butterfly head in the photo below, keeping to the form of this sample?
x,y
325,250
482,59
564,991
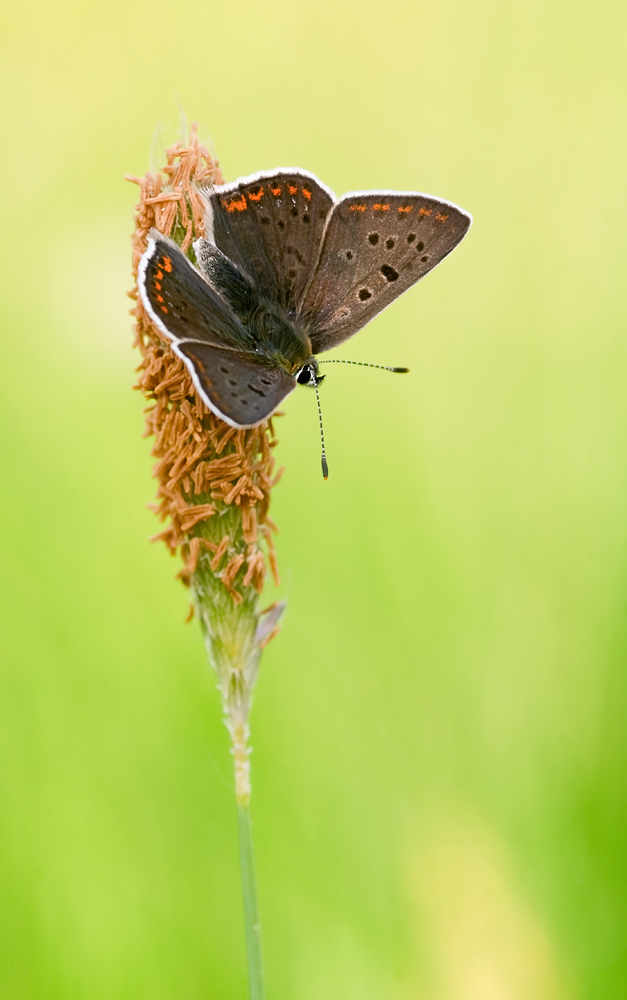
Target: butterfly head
x,y
309,374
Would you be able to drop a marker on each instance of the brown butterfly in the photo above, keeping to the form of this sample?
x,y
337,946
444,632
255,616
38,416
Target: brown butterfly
x,y
285,272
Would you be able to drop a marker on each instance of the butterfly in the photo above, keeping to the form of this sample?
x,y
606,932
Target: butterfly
x,y
284,272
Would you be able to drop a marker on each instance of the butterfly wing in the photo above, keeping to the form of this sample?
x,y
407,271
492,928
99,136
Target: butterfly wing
x,y
181,304
270,225
207,335
237,387
376,245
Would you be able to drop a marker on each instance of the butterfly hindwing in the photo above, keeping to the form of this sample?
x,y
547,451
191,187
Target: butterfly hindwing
x,y
181,303
238,388
270,225
376,245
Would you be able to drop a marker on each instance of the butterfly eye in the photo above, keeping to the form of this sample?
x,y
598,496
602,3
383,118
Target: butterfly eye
x,y
304,375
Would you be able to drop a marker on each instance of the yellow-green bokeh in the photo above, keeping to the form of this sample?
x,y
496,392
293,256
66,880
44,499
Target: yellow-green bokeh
x,y
440,745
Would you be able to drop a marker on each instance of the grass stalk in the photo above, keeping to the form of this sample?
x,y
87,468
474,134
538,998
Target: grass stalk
x,y
249,895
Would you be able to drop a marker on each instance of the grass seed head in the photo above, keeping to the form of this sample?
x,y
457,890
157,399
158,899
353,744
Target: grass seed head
x,y
214,481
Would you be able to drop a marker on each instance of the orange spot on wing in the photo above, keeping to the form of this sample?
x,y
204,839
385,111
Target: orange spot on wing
x,y
164,309
158,285
441,218
159,275
236,204
358,208
166,264
425,211
276,192
256,197
381,208
292,189
307,194
159,298
405,208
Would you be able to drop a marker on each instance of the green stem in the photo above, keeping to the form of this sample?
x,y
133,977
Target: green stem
x,y
249,893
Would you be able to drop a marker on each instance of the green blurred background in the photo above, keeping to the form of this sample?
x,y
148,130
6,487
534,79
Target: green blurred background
x,y
440,749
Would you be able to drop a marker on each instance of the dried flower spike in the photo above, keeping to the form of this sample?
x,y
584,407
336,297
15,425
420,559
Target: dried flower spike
x,y
214,480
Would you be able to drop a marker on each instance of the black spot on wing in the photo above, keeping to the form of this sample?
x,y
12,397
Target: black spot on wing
x,y
389,273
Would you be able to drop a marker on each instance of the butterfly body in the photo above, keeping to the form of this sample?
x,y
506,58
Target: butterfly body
x,y
277,335
284,272
278,340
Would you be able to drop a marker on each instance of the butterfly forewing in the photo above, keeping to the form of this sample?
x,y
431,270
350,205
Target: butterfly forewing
x,y
270,225
239,389
181,303
376,246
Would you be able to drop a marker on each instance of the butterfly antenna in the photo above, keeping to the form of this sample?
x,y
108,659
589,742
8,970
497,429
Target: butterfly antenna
x,y
325,467
362,364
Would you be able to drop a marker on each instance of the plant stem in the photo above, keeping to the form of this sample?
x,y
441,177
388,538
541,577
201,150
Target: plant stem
x,y
249,893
